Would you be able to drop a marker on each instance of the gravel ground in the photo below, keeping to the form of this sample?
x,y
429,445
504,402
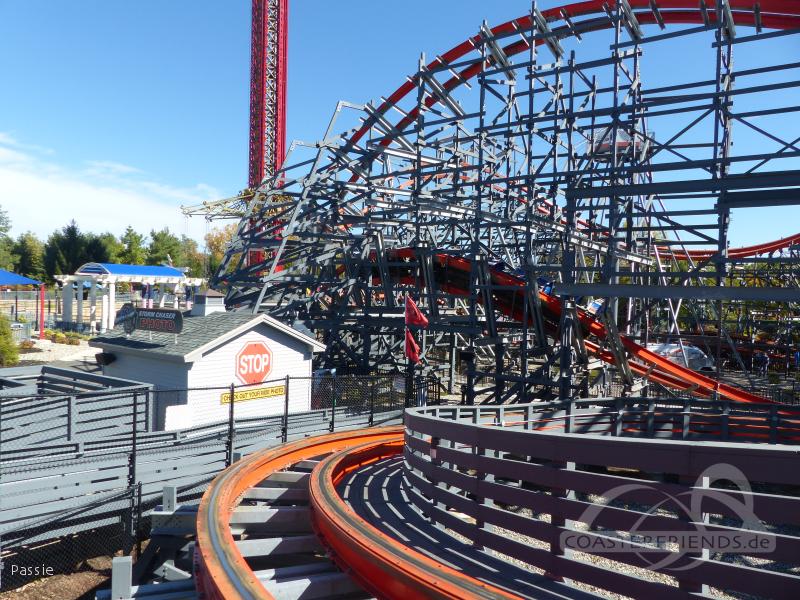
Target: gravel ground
x,y
46,351
90,576
600,561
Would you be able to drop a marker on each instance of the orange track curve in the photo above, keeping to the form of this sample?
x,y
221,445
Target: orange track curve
x,y
221,572
381,564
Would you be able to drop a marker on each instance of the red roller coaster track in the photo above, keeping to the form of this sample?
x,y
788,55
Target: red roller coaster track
x,y
268,115
268,76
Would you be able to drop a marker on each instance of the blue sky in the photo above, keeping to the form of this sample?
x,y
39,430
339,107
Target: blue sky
x,y
119,112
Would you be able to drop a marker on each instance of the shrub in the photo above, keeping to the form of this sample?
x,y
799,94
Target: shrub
x,y
9,353
74,341
26,344
60,338
22,319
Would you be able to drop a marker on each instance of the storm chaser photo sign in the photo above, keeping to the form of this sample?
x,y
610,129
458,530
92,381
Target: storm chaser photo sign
x,y
159,319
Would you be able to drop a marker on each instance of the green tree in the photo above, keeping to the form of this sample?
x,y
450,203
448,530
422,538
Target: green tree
x,y
9,353
6,243
192,258
29,256
164,248
113,246
133,250
96,250
65,250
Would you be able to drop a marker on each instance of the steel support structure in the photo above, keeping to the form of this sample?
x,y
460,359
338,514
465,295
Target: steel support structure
x,y
512,168
268,61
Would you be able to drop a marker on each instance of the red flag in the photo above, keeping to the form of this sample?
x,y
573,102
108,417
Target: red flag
x,y
412,348
414,315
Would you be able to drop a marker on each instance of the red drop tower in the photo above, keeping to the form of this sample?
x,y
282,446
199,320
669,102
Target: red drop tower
x,y
267,88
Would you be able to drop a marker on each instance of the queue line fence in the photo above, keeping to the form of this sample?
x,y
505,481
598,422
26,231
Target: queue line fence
x,y
79,473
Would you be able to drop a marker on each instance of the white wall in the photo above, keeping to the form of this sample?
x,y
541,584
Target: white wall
x,y
217,369
169,410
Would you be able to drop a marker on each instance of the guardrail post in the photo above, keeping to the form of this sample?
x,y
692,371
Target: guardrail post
x,y
134,442
725,433
560,523
148,413
332,424
435,462
685,581
372,404
70,418
229,451
569,421
615,424
651,417
138,519
687,418
285,424
169,498
773,424
121,577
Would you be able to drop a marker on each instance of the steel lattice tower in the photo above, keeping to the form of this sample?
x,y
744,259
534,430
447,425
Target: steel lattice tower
x,y
267,88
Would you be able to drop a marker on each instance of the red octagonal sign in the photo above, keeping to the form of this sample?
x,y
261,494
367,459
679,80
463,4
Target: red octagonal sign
x,y
253,362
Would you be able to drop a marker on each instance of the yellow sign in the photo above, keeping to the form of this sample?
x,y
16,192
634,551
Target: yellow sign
x,y
245,395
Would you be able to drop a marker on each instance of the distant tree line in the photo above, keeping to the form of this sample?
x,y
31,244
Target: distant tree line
x,y
66,249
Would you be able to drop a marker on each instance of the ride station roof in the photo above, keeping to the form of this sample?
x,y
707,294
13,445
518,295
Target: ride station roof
x,y
104,273
199,335
9,278
123,270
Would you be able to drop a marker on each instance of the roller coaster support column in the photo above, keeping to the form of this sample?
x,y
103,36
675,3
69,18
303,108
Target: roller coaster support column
x,y
468,356
409,384
565,365
725,32
229,453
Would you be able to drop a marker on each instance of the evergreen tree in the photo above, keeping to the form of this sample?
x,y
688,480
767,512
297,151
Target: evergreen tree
x,y
6,243
9,353
113,246
164,248
65,251
29,256
133,250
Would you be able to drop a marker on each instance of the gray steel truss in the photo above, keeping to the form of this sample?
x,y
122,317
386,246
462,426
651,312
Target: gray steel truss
x,y
514,164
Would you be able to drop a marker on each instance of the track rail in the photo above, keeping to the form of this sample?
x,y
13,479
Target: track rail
x,y
380,563
650,365
222,572
773,14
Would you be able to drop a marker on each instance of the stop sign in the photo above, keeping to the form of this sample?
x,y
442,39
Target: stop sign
x,y
253,362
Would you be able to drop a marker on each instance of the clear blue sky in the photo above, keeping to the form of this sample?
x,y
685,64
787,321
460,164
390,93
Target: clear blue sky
x,y
118,112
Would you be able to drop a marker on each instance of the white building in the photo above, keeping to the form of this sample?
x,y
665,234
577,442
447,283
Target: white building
x,y
214,350
106,276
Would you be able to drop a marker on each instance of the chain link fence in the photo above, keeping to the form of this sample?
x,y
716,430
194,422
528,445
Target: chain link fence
x,y
80,473
61,542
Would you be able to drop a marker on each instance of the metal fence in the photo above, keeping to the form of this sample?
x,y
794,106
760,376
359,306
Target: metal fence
x,y
21,331
527,482
66,461
789,394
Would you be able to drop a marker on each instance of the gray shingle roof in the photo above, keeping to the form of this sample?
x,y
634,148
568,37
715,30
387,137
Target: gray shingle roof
x,y
197,331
